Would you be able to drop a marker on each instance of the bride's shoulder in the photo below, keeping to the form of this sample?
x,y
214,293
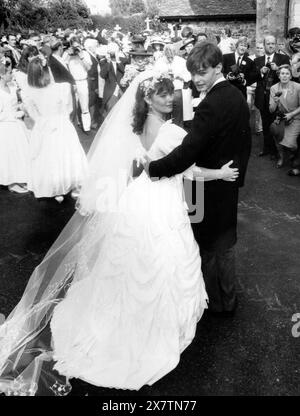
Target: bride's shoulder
x,y
172,129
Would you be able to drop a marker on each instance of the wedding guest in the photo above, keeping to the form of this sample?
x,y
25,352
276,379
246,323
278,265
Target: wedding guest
x,y
57,64
259,51
157,44
20,74
285,102
175,65
267,66
79,63
200,37
14,150
238,68
112,71
11,45
187,46
91,46
227,43
141,60
57,160
281,46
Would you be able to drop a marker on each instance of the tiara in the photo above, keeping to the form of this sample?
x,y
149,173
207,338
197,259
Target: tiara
x,y
148,85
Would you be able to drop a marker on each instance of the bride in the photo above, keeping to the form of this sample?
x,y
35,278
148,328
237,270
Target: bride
x,y
118,296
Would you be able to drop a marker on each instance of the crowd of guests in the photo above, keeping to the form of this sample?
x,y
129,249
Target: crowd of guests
x,y
51,82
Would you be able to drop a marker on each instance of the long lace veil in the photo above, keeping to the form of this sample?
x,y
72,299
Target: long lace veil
x,y
26,358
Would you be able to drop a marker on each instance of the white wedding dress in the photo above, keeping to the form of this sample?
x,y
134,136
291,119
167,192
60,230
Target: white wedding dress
x,y
137,308
118,296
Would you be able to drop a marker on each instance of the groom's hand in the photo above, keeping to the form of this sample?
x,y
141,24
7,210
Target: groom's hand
x,y
137,168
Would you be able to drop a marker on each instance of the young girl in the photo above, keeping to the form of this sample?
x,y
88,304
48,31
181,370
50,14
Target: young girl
x,y
14,150
57,159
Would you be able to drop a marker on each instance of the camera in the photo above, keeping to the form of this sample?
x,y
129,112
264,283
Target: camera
x,y
268,65
76,50
295,43
66,44
280,115
236,74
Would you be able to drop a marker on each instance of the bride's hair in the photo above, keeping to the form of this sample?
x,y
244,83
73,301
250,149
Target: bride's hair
x,y
148,88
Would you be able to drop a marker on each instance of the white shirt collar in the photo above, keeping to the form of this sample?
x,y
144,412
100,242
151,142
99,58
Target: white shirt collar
x,y
237,56
269,56
221,79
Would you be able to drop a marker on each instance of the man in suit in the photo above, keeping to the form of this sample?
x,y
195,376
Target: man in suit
x,y
266,76
91,46
238,68
61,73
15,52
112,71
220,132
58,66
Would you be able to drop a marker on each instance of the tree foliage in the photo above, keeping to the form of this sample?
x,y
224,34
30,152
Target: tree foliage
x,y
131,15
41,14
127,7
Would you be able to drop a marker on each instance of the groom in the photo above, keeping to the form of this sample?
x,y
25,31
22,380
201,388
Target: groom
x,y
220,132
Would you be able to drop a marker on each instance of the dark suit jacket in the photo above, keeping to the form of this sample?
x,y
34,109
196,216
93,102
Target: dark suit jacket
x,y
247,67
220,133
59,71
262,92
111,78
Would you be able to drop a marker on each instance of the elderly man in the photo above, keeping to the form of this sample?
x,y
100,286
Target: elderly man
x,y
266,76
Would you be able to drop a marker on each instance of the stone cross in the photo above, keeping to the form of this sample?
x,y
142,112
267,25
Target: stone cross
x,y
148,23
117,28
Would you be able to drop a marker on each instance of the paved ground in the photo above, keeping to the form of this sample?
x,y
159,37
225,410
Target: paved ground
x,y
253,353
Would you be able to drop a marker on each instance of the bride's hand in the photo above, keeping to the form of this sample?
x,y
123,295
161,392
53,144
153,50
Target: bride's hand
x,y
229,174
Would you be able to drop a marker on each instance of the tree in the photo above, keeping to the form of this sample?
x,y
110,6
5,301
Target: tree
x,y
42,14
126,7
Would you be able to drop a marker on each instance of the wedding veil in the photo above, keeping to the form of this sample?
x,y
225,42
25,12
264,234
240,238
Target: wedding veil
x,y
25,337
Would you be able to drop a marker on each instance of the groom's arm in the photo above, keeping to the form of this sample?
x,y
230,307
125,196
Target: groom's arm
x,y
185,155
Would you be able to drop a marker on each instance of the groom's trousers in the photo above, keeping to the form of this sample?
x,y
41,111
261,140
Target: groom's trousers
x,y
216,236
218,269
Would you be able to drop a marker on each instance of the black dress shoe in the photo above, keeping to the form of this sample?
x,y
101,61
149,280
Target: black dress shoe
x,y
224,314
263,153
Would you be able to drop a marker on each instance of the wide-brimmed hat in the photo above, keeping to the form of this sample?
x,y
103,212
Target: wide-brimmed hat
x,y
138,39
157,40
140,52
187,42
55,42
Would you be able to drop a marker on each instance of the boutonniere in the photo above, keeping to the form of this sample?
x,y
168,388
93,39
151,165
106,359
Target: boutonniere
x,y
243,63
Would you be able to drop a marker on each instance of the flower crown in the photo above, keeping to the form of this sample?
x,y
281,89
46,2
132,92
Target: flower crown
x,y
149,84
